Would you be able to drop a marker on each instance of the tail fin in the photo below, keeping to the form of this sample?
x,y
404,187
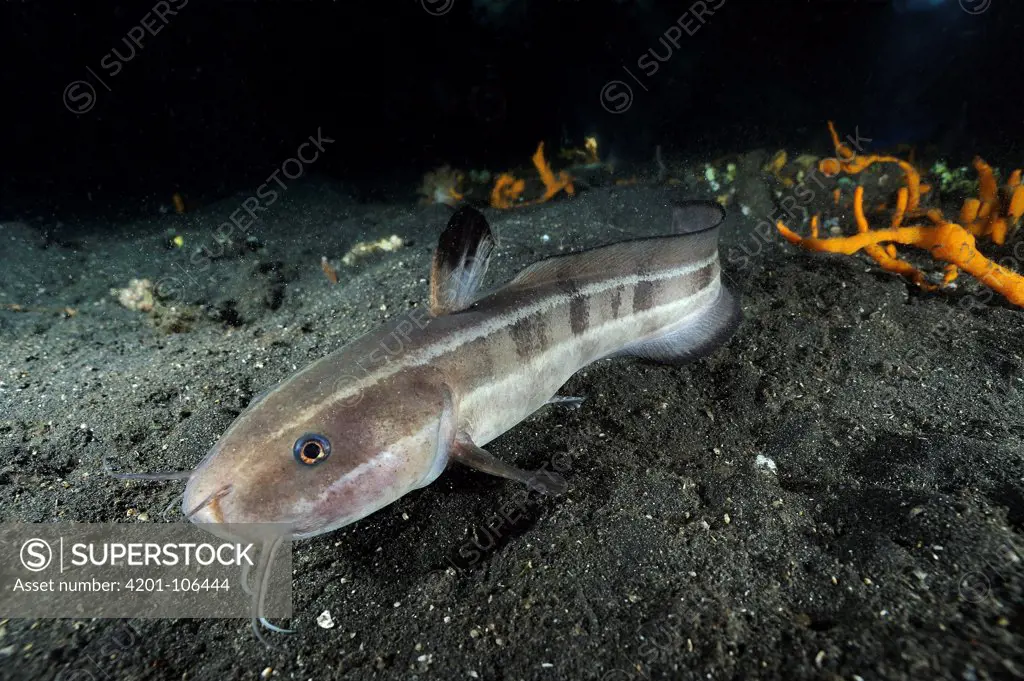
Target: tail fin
x,y
692,337
700,333
692,217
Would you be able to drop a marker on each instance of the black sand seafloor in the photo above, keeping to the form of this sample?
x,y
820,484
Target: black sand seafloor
x,y
836,493
806,503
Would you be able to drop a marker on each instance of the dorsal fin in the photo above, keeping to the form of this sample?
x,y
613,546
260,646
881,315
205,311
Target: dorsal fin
x,y
690,234
460,261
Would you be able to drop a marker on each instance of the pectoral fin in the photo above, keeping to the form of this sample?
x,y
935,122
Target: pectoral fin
x,y
566,400
468,454
460,261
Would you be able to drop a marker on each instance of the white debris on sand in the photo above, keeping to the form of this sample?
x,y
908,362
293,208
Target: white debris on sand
x,y
365,248
324,620
765,464
138,295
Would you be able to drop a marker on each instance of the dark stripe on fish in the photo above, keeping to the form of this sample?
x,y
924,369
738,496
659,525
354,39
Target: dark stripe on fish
x,y
579,314
704,276
643,296
529,335
617,300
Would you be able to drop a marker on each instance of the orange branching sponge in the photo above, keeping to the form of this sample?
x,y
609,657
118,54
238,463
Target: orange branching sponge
x,y
552,183
507,188
848,161
1017,204
948,242
887,257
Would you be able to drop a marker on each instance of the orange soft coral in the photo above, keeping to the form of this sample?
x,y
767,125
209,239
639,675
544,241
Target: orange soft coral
x,y
552,183
848,161
507,189
949,242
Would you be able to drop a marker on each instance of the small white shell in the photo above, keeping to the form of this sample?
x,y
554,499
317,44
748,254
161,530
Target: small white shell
x,y
325,620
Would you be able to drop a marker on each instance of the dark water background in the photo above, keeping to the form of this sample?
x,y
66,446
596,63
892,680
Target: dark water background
x,y
111,108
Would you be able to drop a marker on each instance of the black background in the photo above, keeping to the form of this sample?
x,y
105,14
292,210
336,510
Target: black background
x,y
226,91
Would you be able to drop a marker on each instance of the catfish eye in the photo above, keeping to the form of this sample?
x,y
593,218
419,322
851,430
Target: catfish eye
x,y
311,449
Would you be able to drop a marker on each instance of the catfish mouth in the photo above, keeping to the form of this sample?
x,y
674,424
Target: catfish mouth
x,y
217,515
208,510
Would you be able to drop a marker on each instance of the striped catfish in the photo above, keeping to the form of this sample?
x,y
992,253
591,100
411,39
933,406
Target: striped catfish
x,y
385,414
